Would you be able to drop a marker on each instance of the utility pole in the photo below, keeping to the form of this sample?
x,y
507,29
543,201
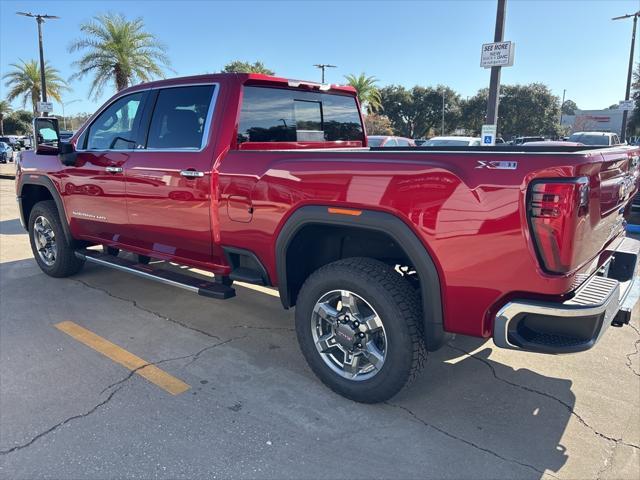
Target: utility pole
x,y
323,66
442,129
494,83
562,106
40,20
64,117
627,93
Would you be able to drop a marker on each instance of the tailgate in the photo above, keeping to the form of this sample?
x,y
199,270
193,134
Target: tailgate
x,y
572,219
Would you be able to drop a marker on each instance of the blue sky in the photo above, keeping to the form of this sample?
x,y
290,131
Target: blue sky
x,y
570,45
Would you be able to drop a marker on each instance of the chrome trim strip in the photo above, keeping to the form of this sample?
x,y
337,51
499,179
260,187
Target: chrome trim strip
x,y
205,131
149,276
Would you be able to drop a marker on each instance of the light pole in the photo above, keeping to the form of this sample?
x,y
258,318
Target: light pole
x,y
64,117
494,82
323,66
40,20
623,133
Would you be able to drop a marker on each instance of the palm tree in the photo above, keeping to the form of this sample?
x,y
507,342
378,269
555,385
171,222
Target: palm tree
x,y
24,81
238,66
5,109
368,93
118,50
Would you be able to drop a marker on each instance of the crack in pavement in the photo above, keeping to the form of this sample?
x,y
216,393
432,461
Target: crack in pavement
x,y
608,462
628,362
250,327
547,395
468,442
120,384
144,309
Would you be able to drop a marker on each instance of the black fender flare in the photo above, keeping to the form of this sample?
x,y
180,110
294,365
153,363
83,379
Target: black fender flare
x,y
46,182
389,224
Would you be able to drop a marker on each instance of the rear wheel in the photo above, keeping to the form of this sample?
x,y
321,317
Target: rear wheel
x,y
357,322
53,253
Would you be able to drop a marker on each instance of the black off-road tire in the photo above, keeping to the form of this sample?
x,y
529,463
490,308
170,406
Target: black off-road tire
x,y
397,304
66,263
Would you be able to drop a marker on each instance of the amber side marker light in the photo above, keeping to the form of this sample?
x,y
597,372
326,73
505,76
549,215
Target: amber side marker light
x,y
345,211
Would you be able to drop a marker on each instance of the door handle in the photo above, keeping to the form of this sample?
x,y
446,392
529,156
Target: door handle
x,y
114,169
191,174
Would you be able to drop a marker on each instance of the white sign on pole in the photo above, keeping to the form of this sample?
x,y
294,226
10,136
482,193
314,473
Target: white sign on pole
x,y
488,135
499,54
625,105
45,107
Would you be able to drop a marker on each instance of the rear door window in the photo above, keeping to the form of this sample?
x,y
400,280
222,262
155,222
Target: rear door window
x,y
282,115
179,118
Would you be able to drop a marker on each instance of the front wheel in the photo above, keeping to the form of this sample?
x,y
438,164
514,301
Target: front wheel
x,y
357,322
53,253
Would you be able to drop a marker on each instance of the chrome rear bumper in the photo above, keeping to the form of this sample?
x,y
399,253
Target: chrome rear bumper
x,y
606,298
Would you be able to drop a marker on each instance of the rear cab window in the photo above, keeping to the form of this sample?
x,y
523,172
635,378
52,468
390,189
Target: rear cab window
x,y
179,118
279,115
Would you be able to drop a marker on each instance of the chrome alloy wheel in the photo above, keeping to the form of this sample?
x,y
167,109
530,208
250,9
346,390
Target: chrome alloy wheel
x,y
45,240
349,335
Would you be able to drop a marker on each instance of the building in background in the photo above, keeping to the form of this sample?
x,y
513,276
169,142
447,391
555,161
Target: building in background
x,y
594,120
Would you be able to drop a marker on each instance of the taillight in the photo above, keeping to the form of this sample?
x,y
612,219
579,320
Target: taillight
x,y
555,208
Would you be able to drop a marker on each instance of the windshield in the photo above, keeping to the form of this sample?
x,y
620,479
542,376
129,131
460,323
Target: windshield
x,y
375,142
589,139
446,143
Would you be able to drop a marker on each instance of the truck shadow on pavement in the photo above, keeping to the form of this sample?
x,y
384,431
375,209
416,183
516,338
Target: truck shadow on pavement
x,y
515,415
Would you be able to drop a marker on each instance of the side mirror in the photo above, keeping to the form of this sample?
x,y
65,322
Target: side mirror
x,y
68,154
47,135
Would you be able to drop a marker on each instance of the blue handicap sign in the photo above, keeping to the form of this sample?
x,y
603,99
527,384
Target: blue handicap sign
x,y
487,139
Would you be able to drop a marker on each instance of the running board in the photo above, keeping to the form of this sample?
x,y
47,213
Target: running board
x,y
186,282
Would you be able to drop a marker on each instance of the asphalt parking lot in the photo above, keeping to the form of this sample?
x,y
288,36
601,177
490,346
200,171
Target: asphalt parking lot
x,y
231,395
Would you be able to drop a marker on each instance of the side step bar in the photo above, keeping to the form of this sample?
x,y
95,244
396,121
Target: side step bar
x,y
186,282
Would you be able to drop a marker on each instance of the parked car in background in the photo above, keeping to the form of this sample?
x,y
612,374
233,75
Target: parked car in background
x,y
606,139
65,135
452,141
6,153
389,141
523,140
8,140
554,143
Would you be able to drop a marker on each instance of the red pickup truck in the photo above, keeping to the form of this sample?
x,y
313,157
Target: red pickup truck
x,y
384,252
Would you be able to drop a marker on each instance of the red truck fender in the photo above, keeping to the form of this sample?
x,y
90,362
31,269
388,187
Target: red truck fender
x,y
375,221
34,188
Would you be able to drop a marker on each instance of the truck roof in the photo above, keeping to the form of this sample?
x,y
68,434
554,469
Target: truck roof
x,y
242,78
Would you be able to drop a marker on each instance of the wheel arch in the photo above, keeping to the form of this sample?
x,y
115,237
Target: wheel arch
x,y
37,188
374,224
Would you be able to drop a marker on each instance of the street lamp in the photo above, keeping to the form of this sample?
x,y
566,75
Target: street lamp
x,y
64,117
322,67
623,134
40,19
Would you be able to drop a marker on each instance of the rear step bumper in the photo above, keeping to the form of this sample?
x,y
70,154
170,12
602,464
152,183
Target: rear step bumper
x,y
575,325
186,282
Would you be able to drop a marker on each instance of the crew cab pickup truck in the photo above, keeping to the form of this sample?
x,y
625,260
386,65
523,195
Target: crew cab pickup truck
x,y
385,253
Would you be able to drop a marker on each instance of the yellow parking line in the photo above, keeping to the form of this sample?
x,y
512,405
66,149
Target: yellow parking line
x,y
128,360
